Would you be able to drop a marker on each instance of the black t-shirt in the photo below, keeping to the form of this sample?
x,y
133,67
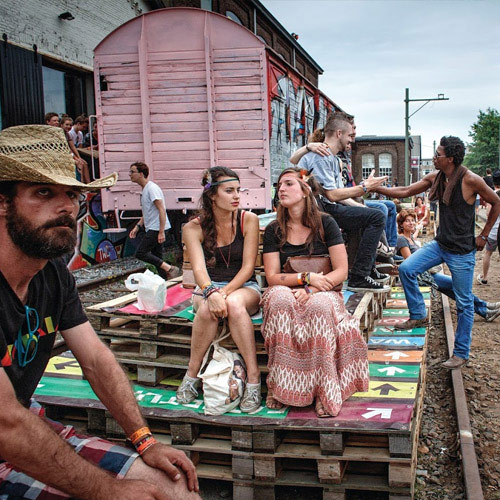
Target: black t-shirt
x,y
333,237
52,294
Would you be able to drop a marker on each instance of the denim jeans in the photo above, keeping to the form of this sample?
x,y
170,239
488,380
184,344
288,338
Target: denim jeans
x,y
389,209
445,285
462,274
371,221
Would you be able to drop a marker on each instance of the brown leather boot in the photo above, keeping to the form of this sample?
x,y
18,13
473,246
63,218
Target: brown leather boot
x,y
454,362
412,323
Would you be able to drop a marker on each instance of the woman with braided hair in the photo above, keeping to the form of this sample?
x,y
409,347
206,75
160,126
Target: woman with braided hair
x,y
316,350
222,244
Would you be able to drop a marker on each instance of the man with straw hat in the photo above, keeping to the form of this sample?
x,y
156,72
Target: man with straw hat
x,y
39,199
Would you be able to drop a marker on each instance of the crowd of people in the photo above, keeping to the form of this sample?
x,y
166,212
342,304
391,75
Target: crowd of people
x,y
316,352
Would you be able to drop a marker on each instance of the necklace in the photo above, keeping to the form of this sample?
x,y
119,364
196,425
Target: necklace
x,y
227,262
228,257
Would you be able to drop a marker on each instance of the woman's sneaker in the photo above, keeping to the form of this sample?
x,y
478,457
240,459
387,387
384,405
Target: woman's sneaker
x,y
250,402
188,390
366,284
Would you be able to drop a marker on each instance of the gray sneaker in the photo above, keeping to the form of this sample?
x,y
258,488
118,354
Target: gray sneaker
x,y
250,402
188,390
492,314
493,305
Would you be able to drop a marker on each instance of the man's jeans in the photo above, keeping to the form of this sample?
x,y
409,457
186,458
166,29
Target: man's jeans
x,y
151,251
389,209
462,274
445,285
371,221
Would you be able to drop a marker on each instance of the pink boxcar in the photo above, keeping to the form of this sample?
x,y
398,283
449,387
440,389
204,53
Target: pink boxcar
x,y
185,89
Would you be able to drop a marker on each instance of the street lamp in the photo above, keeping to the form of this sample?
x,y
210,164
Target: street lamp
x,y
440,97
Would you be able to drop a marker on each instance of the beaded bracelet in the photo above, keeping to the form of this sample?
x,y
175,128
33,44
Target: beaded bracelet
x,y
305,278
208,290
145,444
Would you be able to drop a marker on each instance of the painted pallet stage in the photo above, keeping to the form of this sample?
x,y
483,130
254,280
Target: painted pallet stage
x,y
370,445
156,346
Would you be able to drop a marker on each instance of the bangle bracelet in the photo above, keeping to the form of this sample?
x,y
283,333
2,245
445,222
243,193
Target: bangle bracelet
x,y
299,279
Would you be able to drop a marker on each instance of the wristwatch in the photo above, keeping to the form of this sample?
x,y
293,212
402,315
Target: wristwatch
x,y
483,237
365,189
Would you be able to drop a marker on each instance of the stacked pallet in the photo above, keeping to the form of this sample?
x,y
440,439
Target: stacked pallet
x,y
369,446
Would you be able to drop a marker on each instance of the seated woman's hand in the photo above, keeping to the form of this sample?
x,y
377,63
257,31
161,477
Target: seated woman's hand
x,y
321,282
217,306
301,295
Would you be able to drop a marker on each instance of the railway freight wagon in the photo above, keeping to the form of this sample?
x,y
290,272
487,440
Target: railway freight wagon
x,y
184,89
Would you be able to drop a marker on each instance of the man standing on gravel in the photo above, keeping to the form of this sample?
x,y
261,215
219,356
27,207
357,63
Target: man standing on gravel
x,y
455,188
154,220
40,458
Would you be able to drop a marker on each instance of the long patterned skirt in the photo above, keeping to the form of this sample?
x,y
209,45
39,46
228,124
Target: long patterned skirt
x,y
315,350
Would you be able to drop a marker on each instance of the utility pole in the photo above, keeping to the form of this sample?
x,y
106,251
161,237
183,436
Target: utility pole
x,y
440,97
434,147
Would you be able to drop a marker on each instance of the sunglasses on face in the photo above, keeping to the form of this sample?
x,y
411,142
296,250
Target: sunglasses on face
x,y
27,345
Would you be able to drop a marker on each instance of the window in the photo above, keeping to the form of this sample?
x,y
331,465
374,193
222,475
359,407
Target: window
x,y
385,164
64,90
233,17
54,91
368,164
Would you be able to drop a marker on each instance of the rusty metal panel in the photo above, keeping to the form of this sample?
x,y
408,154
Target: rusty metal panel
x,y
22,86
184,90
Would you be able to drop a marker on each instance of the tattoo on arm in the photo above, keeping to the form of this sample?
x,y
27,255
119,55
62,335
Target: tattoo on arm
x,y
282,277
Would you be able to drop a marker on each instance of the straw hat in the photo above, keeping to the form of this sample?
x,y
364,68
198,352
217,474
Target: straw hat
x,y
40,154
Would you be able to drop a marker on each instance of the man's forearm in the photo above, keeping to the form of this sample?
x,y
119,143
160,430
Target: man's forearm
x,y
30,445
492,217
395,192
112,387
344,193
163,221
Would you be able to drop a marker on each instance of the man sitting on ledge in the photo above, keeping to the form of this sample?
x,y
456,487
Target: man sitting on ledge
x,y
39,458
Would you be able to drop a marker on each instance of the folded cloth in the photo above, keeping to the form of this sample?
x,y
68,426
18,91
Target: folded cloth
x,y
441,192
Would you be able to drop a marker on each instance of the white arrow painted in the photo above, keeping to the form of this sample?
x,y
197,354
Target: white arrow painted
x,y
391,370
396,355
398,341
383,412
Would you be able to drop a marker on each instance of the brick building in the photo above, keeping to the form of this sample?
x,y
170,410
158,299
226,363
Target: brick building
x,y
46,55
385,154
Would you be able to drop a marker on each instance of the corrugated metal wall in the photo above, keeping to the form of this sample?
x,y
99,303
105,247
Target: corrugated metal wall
x,y
22,86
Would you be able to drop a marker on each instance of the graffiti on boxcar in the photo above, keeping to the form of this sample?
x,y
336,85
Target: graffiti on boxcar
x,y
94,246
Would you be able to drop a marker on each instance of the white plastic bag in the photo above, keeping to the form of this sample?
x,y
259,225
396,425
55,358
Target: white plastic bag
x,y
224,379
151,290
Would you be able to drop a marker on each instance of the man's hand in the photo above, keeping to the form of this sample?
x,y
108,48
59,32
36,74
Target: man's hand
x,y
480,243
170,460
134,232
320,148
374,182
161,237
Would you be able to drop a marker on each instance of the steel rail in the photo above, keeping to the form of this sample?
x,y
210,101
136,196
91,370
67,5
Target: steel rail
x,y
91,284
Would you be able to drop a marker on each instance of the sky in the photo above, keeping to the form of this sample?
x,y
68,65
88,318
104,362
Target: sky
x,y
372,50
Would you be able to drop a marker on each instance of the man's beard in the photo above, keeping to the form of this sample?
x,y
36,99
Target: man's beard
x,y
40,242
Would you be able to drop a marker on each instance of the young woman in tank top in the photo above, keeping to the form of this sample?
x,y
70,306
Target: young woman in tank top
x,y
222,245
